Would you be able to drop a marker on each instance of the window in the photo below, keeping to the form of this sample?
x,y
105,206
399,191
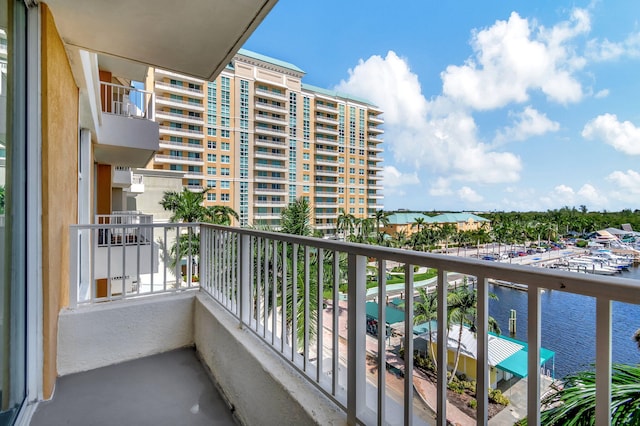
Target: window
x,y
305,167
212,158
224,197
305,156
352,181
211,196
352,200
340,169
225,184
211,171
352,190
341,190
361,191
305,178
352,160
225,159
211,144
352,170
305,145
224,171
225,146
305,188
211,183
361,181
352,210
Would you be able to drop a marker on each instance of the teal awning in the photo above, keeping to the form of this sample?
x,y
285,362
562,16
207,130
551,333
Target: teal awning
x,y
517,363
392,315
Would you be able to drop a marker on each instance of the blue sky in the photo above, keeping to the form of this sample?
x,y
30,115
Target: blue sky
x,y
515,105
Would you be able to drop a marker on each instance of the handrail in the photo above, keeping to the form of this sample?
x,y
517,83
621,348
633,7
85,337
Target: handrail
x,y
247,267
127,101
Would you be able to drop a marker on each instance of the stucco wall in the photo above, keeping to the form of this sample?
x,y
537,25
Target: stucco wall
x,y
114,332
261,387
59,184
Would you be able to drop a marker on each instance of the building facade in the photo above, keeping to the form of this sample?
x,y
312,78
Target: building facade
x,y
258,138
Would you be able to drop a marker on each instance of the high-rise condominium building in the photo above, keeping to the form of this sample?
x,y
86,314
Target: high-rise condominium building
x,y
259,138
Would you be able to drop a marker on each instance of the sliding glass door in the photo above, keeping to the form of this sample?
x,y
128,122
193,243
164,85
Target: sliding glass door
x,y
13,307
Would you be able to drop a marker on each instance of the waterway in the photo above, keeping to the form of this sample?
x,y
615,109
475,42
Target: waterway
x,y
568,325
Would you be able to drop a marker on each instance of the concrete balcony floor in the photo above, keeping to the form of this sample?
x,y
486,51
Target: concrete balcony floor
x,y
172,388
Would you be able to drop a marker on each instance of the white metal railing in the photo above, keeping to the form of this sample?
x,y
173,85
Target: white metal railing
x,y
274,285
127,101
126,256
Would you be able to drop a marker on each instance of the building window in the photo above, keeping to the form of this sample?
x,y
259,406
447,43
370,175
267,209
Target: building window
x,y
211,196
225,159
224,171
211,171
211,183
225,184
224,197
224,146
212,158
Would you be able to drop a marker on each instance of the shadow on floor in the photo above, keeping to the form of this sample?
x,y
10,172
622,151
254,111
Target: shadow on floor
x,y
172,388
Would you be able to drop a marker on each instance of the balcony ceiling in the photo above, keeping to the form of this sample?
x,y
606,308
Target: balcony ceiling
x,y
198,37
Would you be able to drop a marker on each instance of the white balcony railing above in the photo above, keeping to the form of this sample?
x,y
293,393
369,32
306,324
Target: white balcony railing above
x,y
127,101
286,290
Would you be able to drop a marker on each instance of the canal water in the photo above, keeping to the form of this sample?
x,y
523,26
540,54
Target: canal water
x,y
568,325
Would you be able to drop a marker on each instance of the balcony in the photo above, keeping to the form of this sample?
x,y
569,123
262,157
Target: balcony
x,y
248,345
127,136
179,159
272,94
181,131
374,139
179,89
269,143
326,108
271,131
268,106
121,177
326,130
374,129
180,118
176,103
184,146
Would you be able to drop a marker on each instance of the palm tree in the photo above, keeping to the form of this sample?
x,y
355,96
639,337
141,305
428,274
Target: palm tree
x,y
185,205
426,310
418,223
221,215
382,218
462,310
573,403
296,218
345,223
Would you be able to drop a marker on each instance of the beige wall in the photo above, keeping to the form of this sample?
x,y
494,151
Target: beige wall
x,y
59,185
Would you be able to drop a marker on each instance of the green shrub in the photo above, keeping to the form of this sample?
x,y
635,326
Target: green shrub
x,y
581,243
472,403
495,395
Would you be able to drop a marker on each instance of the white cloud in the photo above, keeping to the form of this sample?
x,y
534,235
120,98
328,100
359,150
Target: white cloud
x,y
623,136
441,187
388,82
469,195
395,181
626,186
530,122
602,94
606,50
587,194
628,182
435,134
515,56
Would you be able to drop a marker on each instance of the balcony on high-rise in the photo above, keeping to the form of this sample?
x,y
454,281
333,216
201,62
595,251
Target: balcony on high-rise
x,y
127,134
283,326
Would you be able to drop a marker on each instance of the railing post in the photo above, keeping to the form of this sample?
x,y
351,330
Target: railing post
x,y
408,345
482,358
441,412
603,361
203,258
74,265
356,344
533,337
245,281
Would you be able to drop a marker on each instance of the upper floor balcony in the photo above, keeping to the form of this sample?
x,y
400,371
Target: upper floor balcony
x,y
182,89
276,94
265,311
128,134
183,102
270,106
